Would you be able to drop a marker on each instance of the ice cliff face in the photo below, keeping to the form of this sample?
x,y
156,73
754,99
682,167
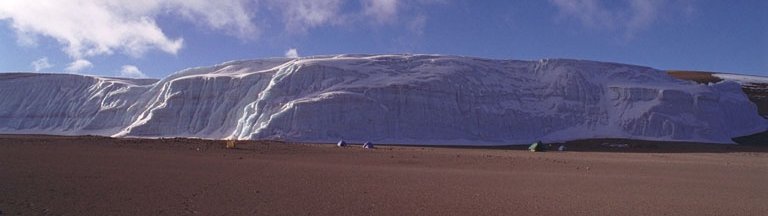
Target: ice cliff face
x,y
409,99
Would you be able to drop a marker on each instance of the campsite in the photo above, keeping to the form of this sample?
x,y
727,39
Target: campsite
x,y
52,175
383,107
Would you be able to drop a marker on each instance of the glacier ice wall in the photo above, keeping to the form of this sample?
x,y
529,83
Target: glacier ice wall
x,y
408,99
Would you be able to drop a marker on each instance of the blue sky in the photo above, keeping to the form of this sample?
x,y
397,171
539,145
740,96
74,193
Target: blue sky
x,y
155,38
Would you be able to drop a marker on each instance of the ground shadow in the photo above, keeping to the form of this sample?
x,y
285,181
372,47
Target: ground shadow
x,y
626,145
752,143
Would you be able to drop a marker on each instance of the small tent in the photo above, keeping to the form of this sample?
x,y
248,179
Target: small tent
x,y
537,146
368,145
341,143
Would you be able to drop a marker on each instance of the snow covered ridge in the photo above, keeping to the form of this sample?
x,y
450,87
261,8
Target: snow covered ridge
x,y
755,87
742,79
407,99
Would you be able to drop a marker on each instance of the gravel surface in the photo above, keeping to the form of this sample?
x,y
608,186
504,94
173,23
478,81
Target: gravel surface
x,y
49,175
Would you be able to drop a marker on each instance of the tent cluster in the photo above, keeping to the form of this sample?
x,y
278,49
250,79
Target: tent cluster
x,y
536,146
367,145
539,146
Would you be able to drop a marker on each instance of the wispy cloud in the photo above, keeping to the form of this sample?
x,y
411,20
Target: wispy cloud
x,y
78,66
409,14
234,17
589,12
645,12
131,71
292,53
302,15
381,10
630,17
417,25
41,64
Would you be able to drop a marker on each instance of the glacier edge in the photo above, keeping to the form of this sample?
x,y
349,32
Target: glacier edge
x,y
404,99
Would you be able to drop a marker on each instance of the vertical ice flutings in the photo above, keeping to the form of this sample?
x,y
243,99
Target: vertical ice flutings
x,y
419,99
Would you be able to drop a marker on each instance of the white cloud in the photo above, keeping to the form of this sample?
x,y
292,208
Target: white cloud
x,y
292,53
630,18
102,27
231,16
301,15
381,10
88,28
78,65
131,71
41,64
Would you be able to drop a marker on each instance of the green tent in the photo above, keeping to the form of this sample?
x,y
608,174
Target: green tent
x,y
537,146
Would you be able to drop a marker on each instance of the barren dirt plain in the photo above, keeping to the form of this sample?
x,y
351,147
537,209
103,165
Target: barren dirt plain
x,y
54,175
